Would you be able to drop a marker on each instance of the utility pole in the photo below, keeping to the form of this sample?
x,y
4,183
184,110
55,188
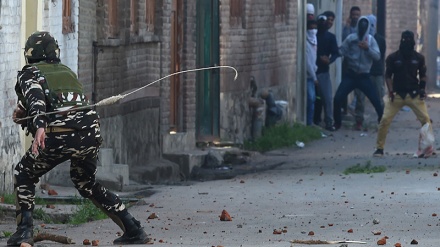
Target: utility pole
x,y
381,17
301,91
431,43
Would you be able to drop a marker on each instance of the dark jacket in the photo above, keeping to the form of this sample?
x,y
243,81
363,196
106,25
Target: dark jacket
x,y
378,67
327,46
405,72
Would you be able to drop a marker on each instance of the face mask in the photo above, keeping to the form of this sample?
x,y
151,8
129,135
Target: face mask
x,y
311,36
312,32
362,28
407,43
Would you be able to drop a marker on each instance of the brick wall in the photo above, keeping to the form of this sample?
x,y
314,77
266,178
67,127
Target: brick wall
x,y
401,16
11,52
87,24
126,62
264,48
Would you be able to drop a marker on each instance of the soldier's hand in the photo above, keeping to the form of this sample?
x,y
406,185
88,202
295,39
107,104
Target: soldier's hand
x,y
38,140
422,94
391,95
18,114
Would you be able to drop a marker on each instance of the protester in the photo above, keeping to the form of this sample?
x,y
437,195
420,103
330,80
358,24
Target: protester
x,y
310,12
45,86
359,50
327,53
351,22
405,77
349,28
376,75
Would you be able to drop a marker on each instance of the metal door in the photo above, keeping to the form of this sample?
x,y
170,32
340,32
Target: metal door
x,y
208,88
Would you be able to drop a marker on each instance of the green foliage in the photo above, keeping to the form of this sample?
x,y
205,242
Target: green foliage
x,y
283,135
7,234
8,198
86,212
39,214
367,168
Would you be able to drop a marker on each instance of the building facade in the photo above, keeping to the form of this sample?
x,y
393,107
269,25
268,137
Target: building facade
x,y
117,46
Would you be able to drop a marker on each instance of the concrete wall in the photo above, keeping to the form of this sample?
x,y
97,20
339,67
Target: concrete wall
x,y
11,52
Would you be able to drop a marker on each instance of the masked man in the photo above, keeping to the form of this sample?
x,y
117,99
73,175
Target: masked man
x,y
405,76
45,86
327,53
359,50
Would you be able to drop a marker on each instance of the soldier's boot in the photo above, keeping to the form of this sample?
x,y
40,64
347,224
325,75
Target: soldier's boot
x,y
133,232
25,230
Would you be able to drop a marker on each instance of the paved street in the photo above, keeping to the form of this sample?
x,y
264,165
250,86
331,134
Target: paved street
x,y
309,192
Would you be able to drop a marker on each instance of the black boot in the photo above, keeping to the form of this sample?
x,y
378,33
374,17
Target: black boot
x,y
133,233
25,230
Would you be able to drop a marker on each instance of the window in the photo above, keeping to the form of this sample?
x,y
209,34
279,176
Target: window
x,y
236,13
150,14
280,10
67,17
134,24
113,17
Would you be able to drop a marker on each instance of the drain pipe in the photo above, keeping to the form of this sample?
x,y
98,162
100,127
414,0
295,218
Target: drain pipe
x,y
94,72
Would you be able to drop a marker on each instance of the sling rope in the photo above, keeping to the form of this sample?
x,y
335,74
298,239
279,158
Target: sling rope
x,y
113,99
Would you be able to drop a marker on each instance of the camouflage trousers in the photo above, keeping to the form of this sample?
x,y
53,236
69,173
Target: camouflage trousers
x,y
81,148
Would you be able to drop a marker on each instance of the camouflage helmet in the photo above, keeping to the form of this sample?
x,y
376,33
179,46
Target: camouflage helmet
x,y
40,46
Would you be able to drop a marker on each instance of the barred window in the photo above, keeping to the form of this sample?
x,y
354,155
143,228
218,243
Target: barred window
x,y
67,17
280,10
150,14
113,17
236,13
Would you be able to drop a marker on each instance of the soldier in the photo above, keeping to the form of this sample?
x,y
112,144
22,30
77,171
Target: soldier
x,y
43,86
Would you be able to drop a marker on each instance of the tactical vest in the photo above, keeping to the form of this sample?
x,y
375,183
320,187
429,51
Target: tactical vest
x,y
62,88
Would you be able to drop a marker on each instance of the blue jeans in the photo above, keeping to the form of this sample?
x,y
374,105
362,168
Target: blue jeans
x,y
311,97
378,82
350,82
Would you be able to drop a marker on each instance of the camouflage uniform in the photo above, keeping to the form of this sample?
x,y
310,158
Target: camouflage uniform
x,y
71,135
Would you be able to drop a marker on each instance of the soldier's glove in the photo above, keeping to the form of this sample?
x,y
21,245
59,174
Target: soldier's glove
x,y
391,95
18,114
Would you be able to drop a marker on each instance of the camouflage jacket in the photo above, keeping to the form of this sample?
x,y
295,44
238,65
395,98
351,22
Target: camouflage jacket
x,y
34,96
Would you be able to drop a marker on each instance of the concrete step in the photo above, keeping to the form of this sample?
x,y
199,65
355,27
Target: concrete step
x,y
187,161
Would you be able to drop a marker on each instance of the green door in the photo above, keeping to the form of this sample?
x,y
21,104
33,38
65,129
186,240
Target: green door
x,y
208,81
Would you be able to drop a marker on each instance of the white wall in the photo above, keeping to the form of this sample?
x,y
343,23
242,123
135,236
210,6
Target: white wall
x,y
53,21
10,51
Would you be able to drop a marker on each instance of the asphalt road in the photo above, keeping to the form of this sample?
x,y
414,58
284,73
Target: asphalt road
x,y
308,193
